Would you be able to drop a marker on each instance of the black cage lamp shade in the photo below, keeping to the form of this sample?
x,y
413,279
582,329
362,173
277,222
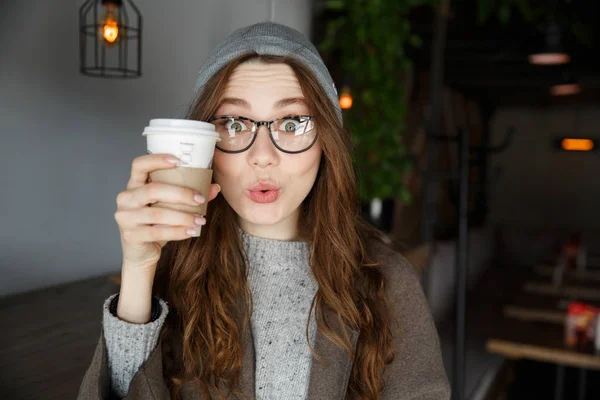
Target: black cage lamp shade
x,y
110,39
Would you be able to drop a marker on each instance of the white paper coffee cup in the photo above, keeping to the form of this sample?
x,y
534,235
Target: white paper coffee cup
x,y
193,142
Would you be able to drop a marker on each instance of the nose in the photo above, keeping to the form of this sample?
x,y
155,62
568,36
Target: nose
x,y
263,152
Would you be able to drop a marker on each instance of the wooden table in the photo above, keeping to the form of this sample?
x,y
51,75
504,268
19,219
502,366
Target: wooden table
x,y
571,275
533,325
48,338
580,292
532,307
540,341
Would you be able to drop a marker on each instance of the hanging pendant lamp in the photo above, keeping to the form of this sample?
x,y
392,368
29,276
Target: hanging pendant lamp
x,y
553,53
110,39
568,85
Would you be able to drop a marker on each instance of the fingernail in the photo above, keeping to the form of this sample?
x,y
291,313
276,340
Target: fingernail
x,y
219,187
199,220
198,197
193,232
172,160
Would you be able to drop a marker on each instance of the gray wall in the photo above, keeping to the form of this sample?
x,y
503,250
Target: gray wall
x,y
67,141
540,188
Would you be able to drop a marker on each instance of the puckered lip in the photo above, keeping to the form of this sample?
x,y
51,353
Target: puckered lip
x,y
263,185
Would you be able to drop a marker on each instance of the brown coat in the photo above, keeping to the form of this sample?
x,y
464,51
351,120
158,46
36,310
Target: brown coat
x,y
417,371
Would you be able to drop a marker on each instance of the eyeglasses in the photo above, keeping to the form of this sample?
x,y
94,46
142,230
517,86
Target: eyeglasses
x,y
291,134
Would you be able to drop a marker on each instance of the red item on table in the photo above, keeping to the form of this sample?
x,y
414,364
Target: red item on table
x,y
580,326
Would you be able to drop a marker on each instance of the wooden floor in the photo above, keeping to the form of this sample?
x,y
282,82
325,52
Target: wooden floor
x,y
48,339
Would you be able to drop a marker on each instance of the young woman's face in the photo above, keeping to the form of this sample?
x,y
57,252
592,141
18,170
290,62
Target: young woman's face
x,y
256,90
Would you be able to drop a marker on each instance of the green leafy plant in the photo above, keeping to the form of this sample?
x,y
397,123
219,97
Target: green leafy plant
x,y
369,39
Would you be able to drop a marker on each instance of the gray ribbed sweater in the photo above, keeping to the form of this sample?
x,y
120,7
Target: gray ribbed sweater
x,y
282,288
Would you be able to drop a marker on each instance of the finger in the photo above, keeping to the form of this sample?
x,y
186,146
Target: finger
x,y
128,219
157,191
159,233
215,188
143,165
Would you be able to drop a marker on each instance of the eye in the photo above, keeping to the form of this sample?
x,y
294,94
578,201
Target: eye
x,y
231,126
235,125
292,125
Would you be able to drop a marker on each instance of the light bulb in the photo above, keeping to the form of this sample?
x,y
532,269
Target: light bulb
x,y
109,25
345,98
576,144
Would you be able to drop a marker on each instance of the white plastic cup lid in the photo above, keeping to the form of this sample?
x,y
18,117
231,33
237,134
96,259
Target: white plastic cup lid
x,y
181,123
182,126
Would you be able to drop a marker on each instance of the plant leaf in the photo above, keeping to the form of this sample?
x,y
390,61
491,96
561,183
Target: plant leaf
x,y
504,12
484,10
415,40
337,5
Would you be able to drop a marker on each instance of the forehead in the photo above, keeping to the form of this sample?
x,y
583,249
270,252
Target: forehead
x,y
256,77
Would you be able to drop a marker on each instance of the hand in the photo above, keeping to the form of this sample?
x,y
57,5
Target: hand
x,y
141,242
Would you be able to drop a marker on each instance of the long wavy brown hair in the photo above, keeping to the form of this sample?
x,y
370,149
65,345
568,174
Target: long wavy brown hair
x,y
204,279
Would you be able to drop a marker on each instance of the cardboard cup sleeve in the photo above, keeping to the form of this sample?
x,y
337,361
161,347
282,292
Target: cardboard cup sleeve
x,y
198,179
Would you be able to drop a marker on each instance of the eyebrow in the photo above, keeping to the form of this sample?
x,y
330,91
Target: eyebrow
x,y
293,100
280,104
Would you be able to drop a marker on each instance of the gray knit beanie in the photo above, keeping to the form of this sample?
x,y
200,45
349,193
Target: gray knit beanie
x,y
269,38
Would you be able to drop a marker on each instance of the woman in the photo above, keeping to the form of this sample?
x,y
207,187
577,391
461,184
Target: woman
x,y
285,268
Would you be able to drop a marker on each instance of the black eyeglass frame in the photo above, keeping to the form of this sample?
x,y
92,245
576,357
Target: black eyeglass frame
x,y
256,125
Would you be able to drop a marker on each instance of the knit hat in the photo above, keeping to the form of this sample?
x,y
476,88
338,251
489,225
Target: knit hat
x,y
269,38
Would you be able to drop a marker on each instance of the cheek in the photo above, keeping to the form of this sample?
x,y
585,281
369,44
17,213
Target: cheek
x,y
305,168
315,154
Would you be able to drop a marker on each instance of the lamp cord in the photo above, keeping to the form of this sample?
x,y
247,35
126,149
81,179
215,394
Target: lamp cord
x,y
553,7
272,19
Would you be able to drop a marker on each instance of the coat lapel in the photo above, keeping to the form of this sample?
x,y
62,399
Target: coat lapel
x,y
330,381
248,365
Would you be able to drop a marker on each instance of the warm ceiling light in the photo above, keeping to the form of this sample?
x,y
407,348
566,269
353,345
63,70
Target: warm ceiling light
x,y
567,85
109,25
110,39
552,54
346,99
572,144
565,89
549,58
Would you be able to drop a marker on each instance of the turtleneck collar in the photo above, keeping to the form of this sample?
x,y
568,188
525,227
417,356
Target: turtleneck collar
x,y
262,249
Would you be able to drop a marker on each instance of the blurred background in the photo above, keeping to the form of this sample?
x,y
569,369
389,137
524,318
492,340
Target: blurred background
x,y
475,126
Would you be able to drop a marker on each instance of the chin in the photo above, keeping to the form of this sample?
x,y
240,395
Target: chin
x,y
262,214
